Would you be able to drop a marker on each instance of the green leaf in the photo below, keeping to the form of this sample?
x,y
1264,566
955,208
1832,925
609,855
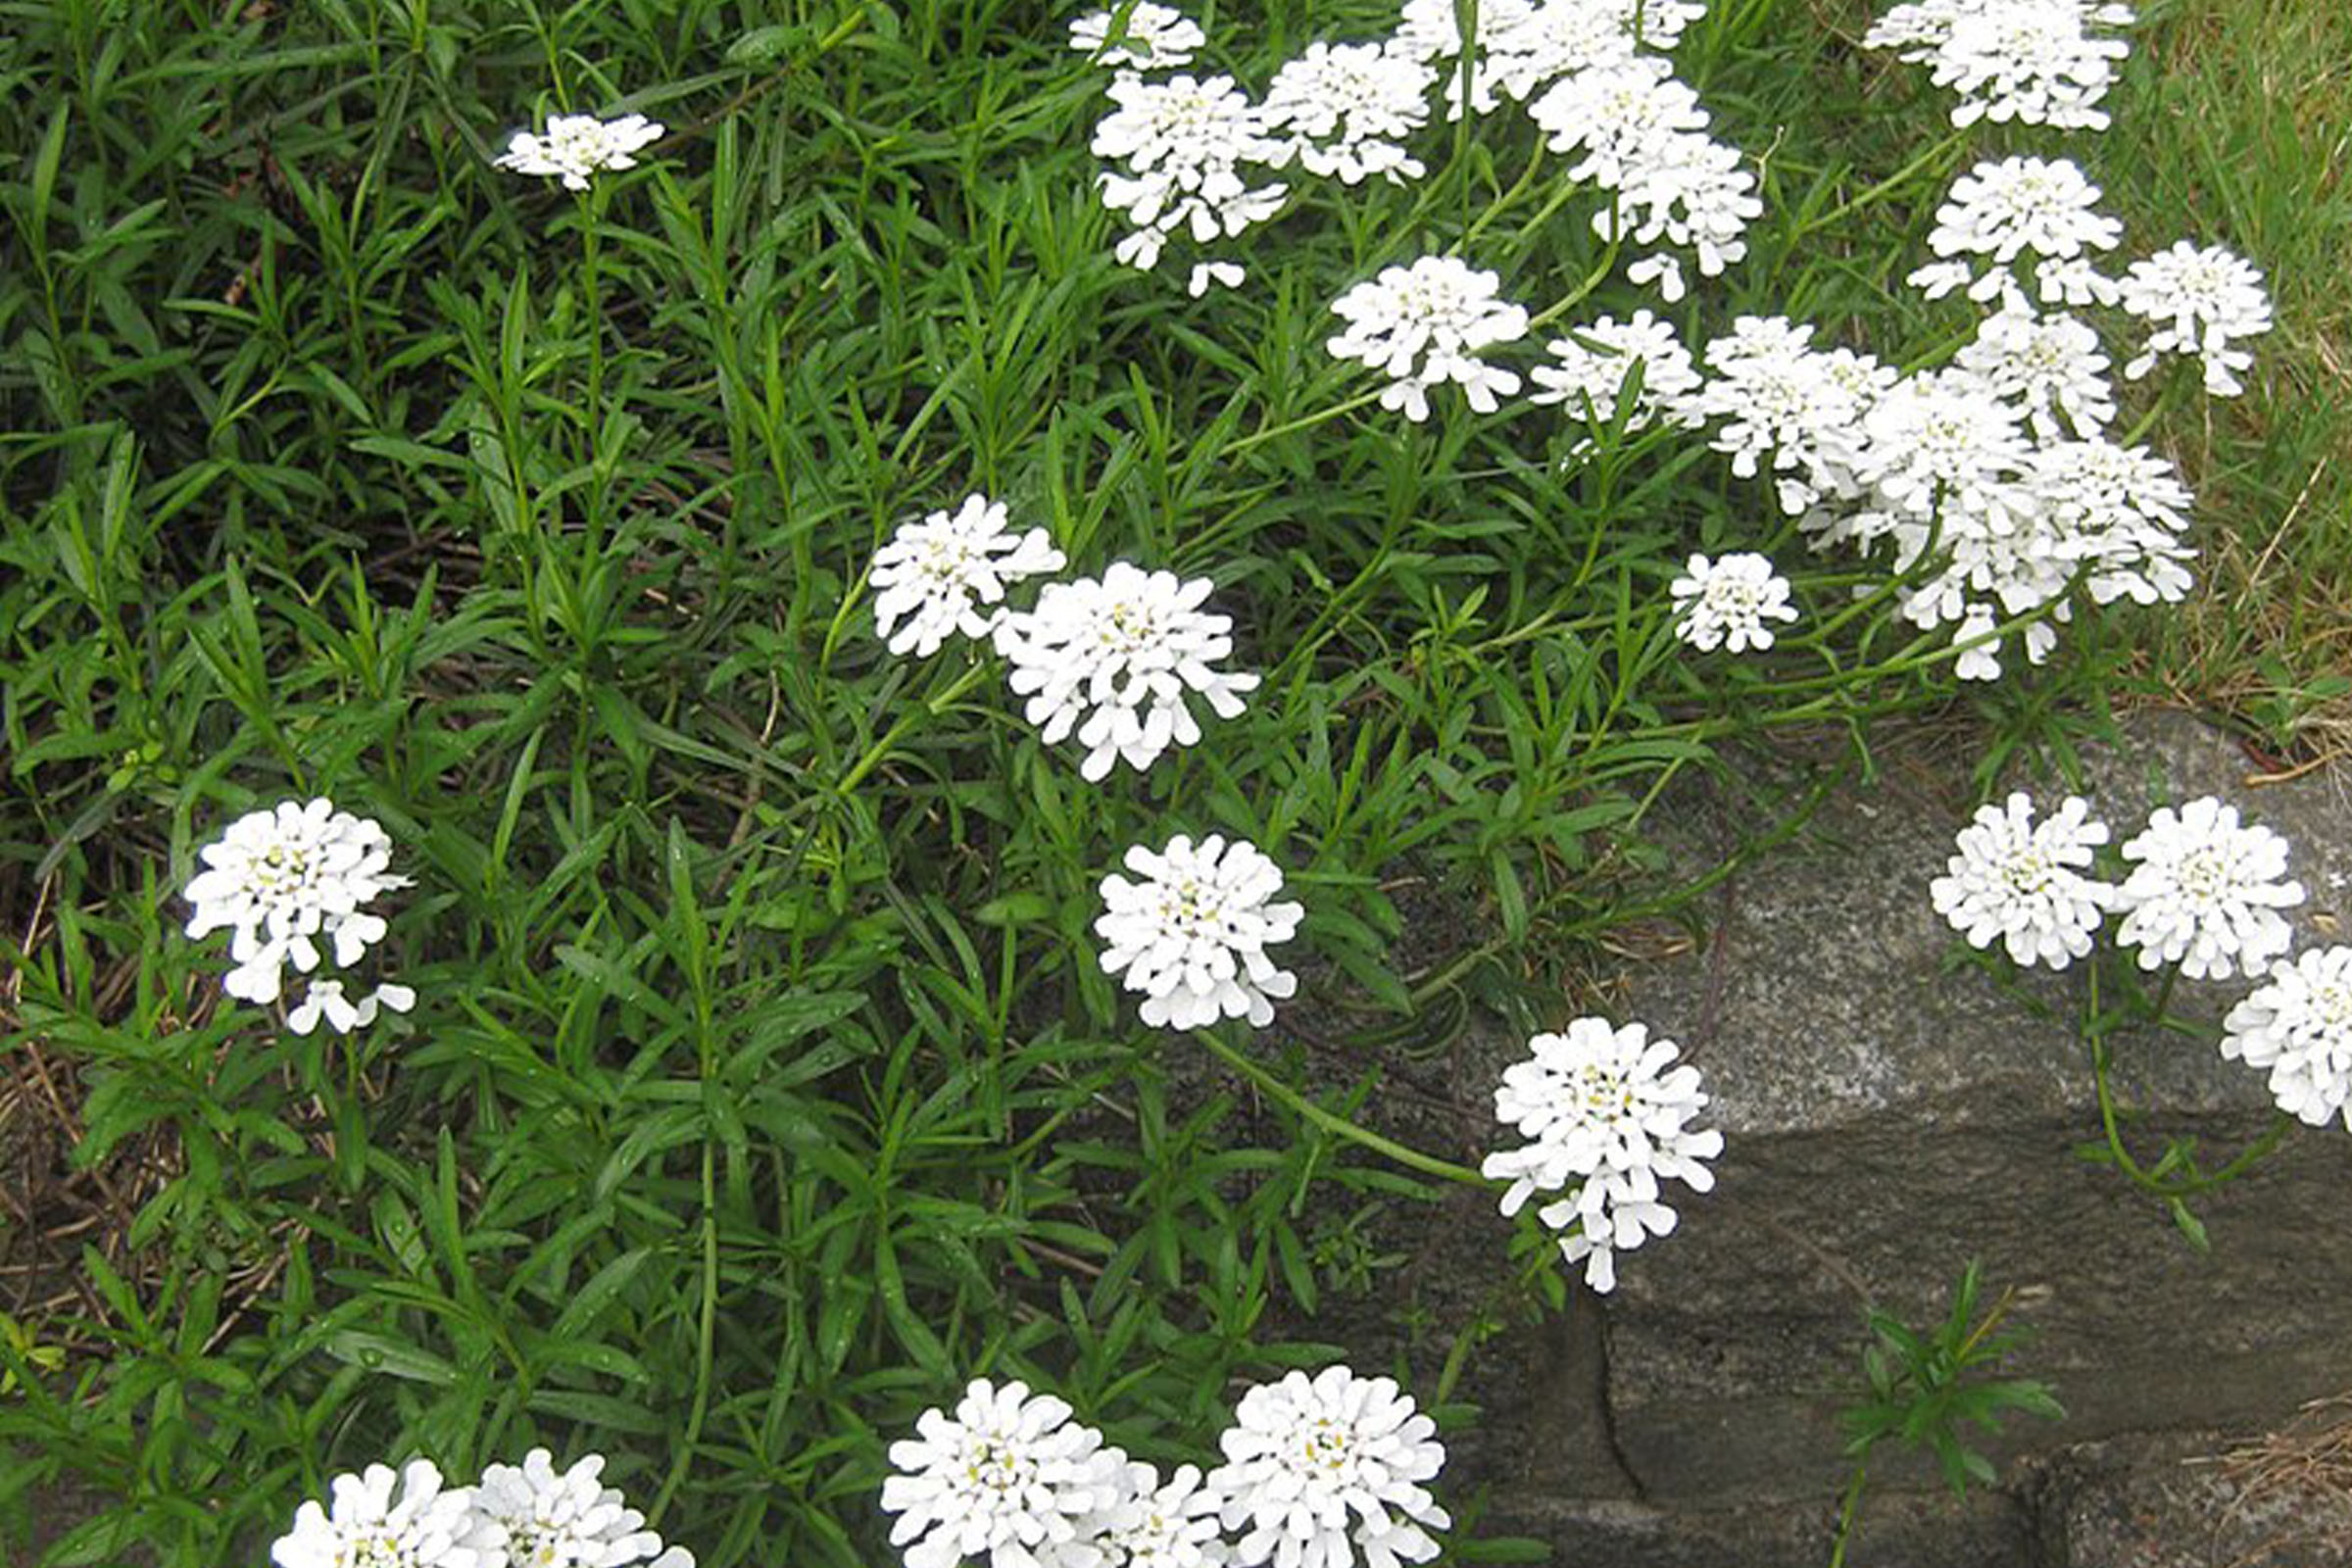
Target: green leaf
x,y
45,161
390,1356
619,984
765,46
2190,1226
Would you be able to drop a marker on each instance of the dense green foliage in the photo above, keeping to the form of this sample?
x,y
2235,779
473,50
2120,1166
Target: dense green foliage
x,y
764,1084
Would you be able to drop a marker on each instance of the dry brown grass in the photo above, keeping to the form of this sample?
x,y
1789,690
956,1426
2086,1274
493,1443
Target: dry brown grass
x,y
2300,1476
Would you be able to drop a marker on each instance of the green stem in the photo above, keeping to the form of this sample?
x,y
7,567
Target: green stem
x,y
1850,1510
1562,194
2171,1190
1505,202
1338,1125
1883,187
932,706
1466,26
2155,411
705,1335
592,293
1303,422
1592,280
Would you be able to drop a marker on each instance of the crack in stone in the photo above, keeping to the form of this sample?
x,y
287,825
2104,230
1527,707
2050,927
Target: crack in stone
x,y
1607,1416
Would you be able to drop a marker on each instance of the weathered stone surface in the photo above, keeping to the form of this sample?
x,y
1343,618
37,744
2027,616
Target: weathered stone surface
x,y
1887,1121
1901,1530
2167,1501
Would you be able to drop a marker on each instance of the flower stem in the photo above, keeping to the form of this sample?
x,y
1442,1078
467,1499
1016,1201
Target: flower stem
x,y
591,291
1336,1124
1884,187
1466,26
1575,296
2170,1189
1503,203
1850,1508
1303,422
907,721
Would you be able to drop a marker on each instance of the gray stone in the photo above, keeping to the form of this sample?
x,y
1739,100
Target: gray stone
x,y
1887,1122
1898,1529
2168,1501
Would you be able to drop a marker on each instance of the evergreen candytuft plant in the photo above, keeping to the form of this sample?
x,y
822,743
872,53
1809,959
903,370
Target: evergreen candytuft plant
x,y
745,584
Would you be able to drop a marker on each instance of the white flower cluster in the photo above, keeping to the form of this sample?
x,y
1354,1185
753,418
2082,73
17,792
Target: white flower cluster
x,y
1179,152
2037,62
1609,1112
1993,482
2201,890
1315,1466
1009,1477
1727,602
1343,110
1774,394
527,1516
933,570
1590,367
1990,485
2200,300
2204,891
1116,660
1191,936
575,148
1637,131
1429,325
1991,479
408,1519
2050,367
1993,475
1317,1470
1180,148
292,886
2024,882
2020,209
1943,464
1152,1525
2299,1027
